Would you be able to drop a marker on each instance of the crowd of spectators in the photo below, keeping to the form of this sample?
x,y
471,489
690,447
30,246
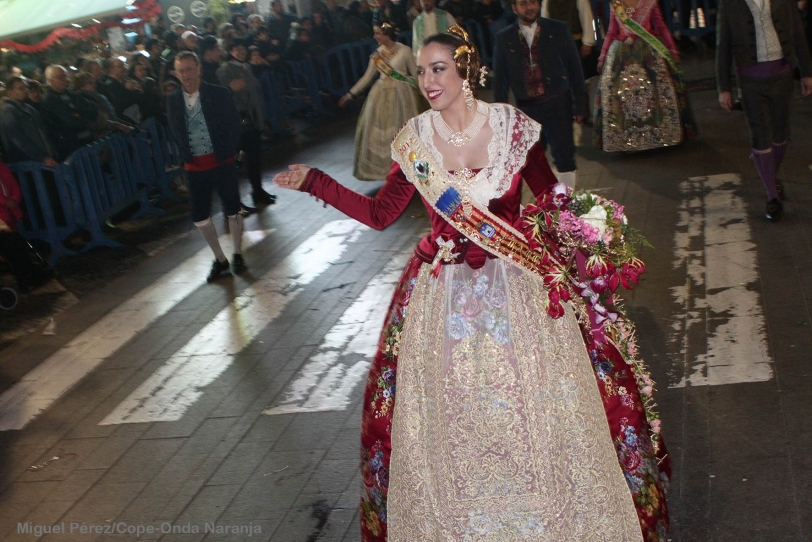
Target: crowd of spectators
x,y
91,98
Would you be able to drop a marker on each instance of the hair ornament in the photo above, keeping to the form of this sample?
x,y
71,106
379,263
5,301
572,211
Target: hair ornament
x,y
387,26
462,50
483,72
459,31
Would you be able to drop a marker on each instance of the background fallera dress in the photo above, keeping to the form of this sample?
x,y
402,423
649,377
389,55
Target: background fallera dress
x,y
499,432
386,109
640,103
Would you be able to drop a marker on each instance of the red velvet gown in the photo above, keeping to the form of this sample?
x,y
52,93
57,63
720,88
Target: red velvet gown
x,y
646,472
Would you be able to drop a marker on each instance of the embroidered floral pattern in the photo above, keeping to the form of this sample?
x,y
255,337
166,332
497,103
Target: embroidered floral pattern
x,y
379,401
500,439
647,471
643,476
478,306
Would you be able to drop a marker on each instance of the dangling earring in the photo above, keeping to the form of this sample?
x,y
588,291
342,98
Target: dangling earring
x,y
468,94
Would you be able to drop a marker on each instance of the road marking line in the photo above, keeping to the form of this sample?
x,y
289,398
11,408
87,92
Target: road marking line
x,y
326,382
177,385
65,368
721,298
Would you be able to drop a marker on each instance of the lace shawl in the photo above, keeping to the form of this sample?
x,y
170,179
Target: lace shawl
x,y
514,133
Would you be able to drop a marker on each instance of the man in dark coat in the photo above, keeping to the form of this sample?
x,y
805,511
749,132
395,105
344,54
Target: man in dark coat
x,y
237,75
537,59
122,93
210,58
65,114
21,130
279,24
763,40
206,126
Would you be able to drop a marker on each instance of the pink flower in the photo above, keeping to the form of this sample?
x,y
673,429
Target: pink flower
x,y
631,461
569,223
472,308
591,233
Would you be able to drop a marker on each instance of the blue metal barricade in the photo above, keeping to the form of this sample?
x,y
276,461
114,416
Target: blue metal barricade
x,y
54,208
108,178
345,64
272,93
158,155
305,74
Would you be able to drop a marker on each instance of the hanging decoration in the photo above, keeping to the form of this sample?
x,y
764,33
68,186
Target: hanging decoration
x,y
145,11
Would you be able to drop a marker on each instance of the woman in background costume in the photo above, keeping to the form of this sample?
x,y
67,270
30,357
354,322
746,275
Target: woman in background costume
x,y
641,101
393,100
482,419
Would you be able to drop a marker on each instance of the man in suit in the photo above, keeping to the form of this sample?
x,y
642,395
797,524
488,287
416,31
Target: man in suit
x,y
206,126
537,59
763,40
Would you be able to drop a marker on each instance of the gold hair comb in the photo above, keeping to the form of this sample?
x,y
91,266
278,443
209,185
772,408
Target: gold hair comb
x,y
457,30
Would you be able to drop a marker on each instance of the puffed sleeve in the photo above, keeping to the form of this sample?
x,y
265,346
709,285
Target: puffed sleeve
x,y
611,35
366,80
537,173
377,211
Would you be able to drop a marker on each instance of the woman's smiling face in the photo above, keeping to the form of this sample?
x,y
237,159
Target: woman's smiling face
x,y
437,76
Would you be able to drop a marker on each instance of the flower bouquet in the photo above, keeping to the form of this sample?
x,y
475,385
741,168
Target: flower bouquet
x,y
588,250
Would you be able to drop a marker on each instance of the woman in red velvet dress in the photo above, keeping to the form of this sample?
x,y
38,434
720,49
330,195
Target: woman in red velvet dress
x,y
482,418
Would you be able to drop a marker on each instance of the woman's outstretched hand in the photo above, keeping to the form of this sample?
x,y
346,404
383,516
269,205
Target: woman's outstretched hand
x,y
292,179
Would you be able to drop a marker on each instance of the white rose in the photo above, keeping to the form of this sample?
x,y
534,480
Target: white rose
x,y
596,217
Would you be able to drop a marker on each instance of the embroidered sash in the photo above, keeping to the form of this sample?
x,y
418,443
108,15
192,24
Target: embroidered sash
x,y
385,68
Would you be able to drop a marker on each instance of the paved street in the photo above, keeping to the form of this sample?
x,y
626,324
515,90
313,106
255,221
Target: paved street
x,y
166,408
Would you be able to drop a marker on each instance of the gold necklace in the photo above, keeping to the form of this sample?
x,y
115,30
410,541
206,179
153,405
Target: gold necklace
x,y
458,139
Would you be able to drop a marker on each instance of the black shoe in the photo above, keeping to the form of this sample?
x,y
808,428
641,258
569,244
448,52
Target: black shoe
x,y
238,265
218,269
780,189
246,210
774,209
263,198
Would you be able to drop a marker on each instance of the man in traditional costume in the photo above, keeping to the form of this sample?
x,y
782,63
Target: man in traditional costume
x,y
537,59
431,21
763,39
206,126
